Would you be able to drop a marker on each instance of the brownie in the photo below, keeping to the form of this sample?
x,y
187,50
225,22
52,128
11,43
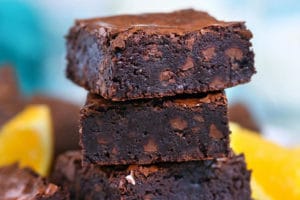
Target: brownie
x,y
154,130
217,179
8,83
17,183
241,114
10,99
65,120
162,54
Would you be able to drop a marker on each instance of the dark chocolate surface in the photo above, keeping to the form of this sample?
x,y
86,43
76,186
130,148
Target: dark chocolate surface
x,y
218,179
179,21
156,130
156,55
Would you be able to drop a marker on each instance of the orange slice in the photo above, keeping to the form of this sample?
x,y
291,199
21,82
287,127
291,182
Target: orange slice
x,y
258,192
27,139
275,169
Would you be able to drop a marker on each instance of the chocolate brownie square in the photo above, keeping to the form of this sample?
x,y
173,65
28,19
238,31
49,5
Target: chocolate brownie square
x,y
216,179
240,113
154,130
156,55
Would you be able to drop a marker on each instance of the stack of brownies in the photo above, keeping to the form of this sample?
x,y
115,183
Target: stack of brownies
x,y
155,123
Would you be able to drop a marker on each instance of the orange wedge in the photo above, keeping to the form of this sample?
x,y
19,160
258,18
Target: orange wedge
x,y
276,170
258,192
27,139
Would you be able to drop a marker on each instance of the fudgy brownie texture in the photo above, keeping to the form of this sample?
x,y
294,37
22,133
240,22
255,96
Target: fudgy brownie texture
x,y
154,130
24,184
155,55
217,179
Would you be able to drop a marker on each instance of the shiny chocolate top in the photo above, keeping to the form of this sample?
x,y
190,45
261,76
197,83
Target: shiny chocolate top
x,y
179,22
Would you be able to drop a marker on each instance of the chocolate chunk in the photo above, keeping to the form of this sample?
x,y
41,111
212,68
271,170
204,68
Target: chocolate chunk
x,y
209,53
214,132
178,123
150,147
189,64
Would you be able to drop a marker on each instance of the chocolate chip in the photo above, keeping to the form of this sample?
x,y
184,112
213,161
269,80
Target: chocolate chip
x,y
209,53
150,147
189,64
214,132
148,197
167,77
234,53
178,123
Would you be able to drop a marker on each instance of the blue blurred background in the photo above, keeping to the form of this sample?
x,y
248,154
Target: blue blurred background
x,y
32,40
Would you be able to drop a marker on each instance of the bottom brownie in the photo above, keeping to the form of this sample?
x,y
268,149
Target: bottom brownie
x,y
225,178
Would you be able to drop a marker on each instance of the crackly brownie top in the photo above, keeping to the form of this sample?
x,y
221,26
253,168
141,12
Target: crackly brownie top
x,y
178,22
19,183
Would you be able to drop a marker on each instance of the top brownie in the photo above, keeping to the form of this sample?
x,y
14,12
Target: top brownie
x,y
162,54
